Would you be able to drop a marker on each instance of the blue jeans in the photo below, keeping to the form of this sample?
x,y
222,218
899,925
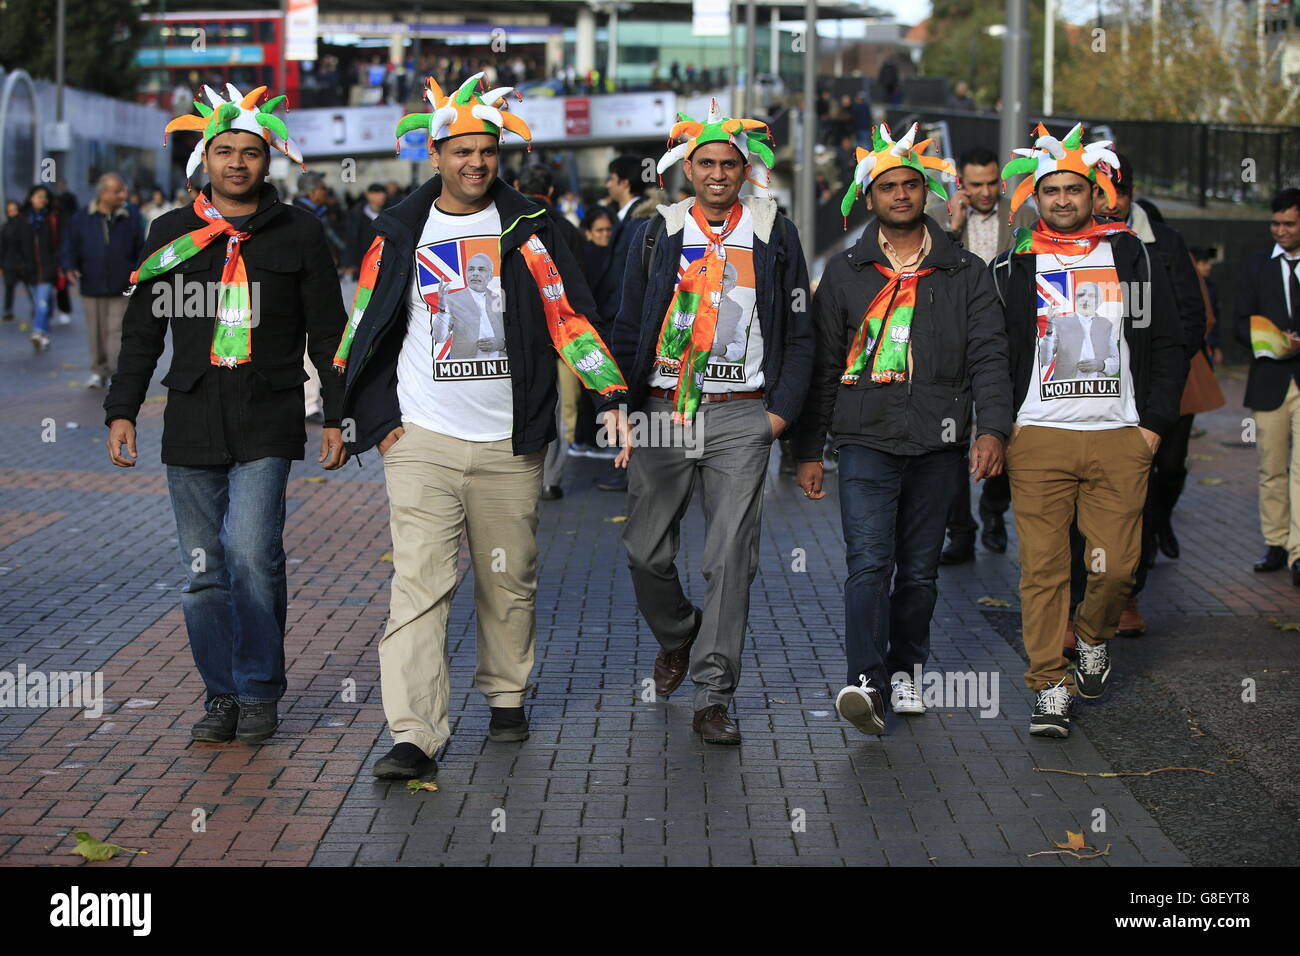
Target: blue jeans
x,y
230,522
42,294
894,509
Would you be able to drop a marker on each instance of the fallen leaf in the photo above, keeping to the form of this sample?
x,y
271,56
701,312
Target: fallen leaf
x,y
315,479
96,850
387,556
1073,841
1281,626
992,602
70,367
1123,773
1204,457
414,786
617,518
1211,481
156,400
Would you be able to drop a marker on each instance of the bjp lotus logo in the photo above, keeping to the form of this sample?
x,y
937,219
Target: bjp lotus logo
x,y
590,362
554,291
682,320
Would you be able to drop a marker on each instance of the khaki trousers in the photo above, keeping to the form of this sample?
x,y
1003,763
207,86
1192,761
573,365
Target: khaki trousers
x,y
569,386
104,332
439,486
1101,475
1278,435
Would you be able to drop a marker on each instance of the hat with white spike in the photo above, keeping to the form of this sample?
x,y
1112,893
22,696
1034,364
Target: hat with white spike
x,y
886,154
235,112
752,137
1094,162
465,111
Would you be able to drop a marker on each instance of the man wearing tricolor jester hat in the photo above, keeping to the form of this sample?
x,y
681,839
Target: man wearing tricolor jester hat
x,y
723,401
246,283
909,336
463,300
1097,368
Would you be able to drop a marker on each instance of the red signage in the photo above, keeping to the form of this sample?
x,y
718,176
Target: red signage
x,y
577,117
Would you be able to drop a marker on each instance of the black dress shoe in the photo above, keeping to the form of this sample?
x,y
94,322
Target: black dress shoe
x,y
615,482
1274,559
257,722
551,493
1167,543
404,762
957,553
994,538
218,724
1295,574
508,725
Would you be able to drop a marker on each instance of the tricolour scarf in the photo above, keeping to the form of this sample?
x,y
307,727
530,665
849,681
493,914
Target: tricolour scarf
x,y
573,336
232,335
686,338
888,320
1042,240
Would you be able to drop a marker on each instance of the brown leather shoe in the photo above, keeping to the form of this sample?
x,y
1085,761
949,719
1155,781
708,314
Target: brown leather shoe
x,y
671,666
1131,623
713,724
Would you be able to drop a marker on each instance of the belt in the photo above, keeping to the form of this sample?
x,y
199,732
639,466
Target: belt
x,y
707,397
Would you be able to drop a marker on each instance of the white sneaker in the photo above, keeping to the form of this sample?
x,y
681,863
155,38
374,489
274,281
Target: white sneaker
x,y
1051,716
62,318
904,697
863,707
95,381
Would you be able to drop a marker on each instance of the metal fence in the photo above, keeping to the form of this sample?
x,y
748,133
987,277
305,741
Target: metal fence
x,y
1193,162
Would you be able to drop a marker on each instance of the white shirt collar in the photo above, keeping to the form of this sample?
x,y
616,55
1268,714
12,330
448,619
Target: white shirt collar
x,y
622,213
1279,251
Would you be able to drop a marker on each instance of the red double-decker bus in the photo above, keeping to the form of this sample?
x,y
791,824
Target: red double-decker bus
x,y
182,51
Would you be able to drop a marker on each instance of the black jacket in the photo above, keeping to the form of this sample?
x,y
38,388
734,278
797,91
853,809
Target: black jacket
x,y
1157,360
608,288
370,397
217,415
361,233
1260,292
1171,250
781,300
40,246
12,259
104,249
958,349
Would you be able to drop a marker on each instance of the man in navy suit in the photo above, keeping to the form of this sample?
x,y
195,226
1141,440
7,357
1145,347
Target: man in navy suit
x,y
1270,287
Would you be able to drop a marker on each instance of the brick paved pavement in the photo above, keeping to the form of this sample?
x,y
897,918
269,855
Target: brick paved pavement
x,y
89,580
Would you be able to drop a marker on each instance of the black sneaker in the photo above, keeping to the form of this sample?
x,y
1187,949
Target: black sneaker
x,y
404,762
218,724
257,721
1051,716
508,725
1091,669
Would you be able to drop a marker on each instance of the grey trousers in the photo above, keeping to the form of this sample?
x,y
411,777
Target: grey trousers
x,y
730,467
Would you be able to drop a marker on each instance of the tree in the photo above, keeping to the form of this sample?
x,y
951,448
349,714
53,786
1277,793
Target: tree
x,y
959,47
101,38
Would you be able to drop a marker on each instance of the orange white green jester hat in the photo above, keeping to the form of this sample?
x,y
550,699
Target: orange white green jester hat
x,y
465,111
1094,162
752,137
238,111
886,154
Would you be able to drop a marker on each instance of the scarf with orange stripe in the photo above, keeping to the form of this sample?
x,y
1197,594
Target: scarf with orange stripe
x,y
572,335
686,337
886,329
232,335
1043,240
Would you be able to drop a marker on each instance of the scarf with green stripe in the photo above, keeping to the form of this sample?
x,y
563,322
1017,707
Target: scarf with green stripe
x,y
579,345
232,335
686,338
1042,240
888,321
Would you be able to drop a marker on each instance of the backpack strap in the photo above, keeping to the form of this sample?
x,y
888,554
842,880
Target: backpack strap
x,y
652,234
